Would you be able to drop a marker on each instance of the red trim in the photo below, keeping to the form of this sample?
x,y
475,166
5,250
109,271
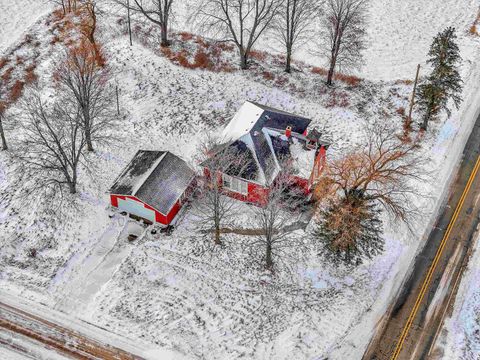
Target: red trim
x,y
159,217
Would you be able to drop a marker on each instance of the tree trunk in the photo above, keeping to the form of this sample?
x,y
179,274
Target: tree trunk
x,y
88,139
288,68
164,36
73,186
268,256
426,118
217,235
243,60
2,135
331,72
129,22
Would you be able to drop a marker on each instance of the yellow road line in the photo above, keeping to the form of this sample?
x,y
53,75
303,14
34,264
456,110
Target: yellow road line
x,y
428,279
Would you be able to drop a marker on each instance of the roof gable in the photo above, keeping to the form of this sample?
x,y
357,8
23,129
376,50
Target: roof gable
x,y
136,172
157,178
251,125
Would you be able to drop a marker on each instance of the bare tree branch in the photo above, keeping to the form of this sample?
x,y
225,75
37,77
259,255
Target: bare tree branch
x,y
385,171
293,26
215,210
343,34
241,22
83,75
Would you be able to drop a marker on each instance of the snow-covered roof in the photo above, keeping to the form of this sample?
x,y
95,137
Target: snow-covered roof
x,y
258,127
157,178
243,121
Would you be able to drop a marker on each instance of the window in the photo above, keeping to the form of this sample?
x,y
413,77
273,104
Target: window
x,y
235,184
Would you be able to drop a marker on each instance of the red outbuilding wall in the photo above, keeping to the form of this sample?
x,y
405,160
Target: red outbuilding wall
x,y
159,217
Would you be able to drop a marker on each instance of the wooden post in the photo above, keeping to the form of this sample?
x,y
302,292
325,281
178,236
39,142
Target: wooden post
x,y
412,101
118,102
129,22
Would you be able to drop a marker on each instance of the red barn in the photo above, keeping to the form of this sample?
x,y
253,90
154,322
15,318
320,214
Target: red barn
x,y
153,186
272,140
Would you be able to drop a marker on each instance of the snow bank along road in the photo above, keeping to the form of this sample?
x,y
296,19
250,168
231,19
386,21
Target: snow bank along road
x,y
56,338
410,327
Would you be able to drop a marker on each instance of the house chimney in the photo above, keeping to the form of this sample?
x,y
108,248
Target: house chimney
x,y
288,131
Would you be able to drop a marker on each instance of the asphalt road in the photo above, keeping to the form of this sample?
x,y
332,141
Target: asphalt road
x,y
411,326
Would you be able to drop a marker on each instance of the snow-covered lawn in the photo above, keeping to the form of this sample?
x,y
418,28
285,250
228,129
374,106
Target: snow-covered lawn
x,y
463,328
16,16
218,303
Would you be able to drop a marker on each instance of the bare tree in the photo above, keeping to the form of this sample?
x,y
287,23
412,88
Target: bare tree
x,y
241,22
213,208
383,172
343,34
278,218
67,5
51,146
294,24
90,27
85,77
159,12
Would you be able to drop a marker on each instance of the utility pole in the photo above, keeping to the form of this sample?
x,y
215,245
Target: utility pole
x,y
129,22
412,100
118,101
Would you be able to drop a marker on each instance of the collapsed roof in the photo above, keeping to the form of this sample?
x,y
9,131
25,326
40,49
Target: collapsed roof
x,y
158,178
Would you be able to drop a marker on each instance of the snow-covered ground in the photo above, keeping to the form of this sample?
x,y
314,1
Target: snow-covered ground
x,y
463,327
175,291
16,16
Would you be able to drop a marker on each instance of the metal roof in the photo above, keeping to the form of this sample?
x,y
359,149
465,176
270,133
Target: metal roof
x,y
157,178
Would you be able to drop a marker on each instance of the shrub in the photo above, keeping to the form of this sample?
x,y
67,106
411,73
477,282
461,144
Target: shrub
x,y
7,75
404,82
19,60
30,76
186,36
201,42
3,62
401,111
281,81
319,71
225,46
473,29
167,52
257,55
268,75
57,15
202,60
16,90
3,106
180,58
348,79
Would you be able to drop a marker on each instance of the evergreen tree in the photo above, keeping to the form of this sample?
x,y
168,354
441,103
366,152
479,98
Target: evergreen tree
x,y
444,82
350,230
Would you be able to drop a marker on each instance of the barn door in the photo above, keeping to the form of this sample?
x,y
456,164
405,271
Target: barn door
x,y
136,208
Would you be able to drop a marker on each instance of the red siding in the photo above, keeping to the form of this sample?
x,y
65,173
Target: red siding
x,y
302,183
256,194
159,217
320,162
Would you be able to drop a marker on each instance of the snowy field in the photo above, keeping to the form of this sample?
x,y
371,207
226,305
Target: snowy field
x,y
175,292
16,16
